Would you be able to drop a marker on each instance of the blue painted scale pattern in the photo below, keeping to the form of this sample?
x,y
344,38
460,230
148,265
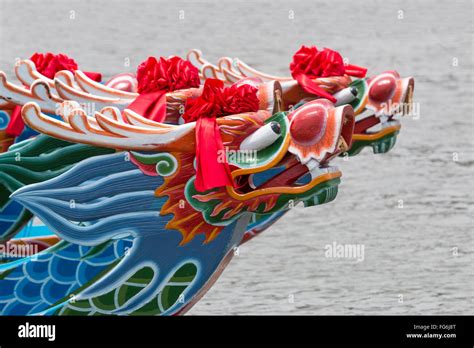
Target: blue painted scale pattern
x,y
112,200
35,283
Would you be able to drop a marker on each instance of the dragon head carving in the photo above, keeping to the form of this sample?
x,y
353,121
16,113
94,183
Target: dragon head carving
x,y
297,146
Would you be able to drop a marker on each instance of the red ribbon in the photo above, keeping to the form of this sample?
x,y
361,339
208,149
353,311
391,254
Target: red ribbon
x,y
48,64
16,125
156,78
312,87
97,77
210,172
309,63
216,101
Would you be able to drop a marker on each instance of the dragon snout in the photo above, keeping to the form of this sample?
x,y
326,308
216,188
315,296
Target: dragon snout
x,y
319,130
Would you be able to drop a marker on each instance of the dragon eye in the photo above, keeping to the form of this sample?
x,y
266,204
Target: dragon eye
x,y
262,138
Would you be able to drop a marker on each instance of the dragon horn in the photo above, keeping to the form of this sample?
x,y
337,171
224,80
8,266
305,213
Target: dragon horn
x,y
109,132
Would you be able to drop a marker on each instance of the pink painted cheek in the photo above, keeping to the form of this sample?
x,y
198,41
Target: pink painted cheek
x,y
308,128
382,89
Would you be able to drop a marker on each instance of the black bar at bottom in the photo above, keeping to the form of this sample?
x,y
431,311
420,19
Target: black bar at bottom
x,y
192,330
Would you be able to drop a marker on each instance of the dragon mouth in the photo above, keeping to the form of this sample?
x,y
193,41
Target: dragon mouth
x,y
319,171
296,182
286,182
295,171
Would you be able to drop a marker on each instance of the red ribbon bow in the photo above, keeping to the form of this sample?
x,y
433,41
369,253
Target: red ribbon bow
x,y
155,78
47,65
216,101
309,63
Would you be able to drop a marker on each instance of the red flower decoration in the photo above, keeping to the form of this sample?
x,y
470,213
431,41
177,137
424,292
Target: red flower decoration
x,y
49,64
240,98
217,100
309,63
166,74
314,64
155,78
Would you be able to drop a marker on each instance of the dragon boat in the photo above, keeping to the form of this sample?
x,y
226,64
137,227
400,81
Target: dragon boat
x,y
127,227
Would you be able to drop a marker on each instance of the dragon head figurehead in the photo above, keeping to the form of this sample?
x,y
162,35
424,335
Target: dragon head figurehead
x,y
294,146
